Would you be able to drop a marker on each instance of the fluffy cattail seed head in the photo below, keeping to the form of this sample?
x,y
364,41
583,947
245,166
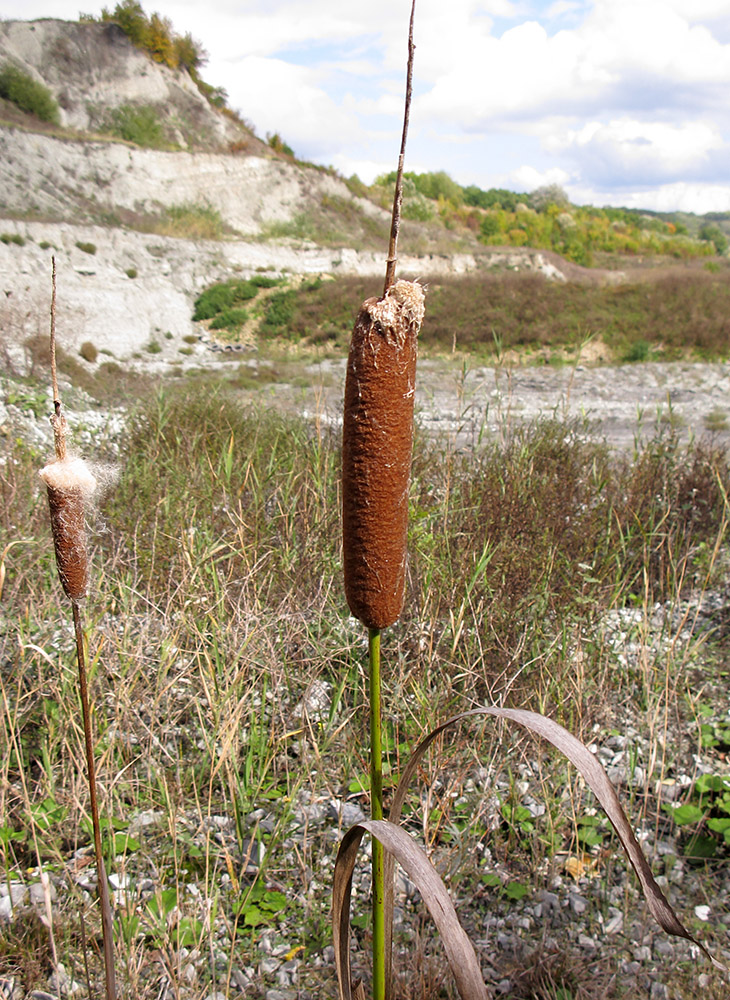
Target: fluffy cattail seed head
x,y
377,442
70,483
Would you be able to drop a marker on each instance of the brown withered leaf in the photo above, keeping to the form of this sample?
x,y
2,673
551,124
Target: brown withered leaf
x,y
599,783
411,856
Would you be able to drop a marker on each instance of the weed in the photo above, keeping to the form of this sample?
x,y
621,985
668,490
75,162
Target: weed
x,y
716,420
131,272
240,506
192,221
15,238
707,812
638,352
89,248
154,347
89,351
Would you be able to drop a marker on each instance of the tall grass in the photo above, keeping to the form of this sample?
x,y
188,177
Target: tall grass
x,y
219,563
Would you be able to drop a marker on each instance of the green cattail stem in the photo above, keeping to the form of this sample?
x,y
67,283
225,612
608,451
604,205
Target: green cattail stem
x,y
101,879
376,812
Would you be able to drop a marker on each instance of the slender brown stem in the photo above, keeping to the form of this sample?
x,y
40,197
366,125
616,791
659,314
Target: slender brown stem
x,y
398,196
54,374
58,420
101,879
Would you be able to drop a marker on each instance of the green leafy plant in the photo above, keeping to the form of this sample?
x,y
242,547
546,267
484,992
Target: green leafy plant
x,y
706,815
89,248
223,296
28,94
260,906
229,319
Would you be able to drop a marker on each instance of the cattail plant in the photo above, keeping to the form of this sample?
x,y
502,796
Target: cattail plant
x,y
376,458
70,484
377,441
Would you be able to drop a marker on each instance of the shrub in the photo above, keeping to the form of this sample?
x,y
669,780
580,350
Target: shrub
x,y
278,145
28,94
89,248
713,234
153,347
139,124
280,311
89,352
638,351
222,296
131,272
489,228
229,319
12,238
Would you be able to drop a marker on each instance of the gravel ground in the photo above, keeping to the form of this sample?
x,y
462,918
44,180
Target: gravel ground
x,y
585,908
617,402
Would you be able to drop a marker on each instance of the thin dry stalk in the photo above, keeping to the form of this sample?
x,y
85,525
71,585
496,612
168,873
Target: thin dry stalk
x,y
70,483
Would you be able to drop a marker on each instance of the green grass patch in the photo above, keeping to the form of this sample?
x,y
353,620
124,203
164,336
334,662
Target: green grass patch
x,y
223,296
191,221
138,123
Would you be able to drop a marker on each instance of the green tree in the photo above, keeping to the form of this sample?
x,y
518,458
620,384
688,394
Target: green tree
x,y
713,234
131,18
490,228
548,194
189,54
160,42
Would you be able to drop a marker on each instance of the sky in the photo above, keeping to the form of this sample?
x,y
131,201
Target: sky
x,y
621,102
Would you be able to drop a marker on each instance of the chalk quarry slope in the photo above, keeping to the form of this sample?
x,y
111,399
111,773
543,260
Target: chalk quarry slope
x,y
56,185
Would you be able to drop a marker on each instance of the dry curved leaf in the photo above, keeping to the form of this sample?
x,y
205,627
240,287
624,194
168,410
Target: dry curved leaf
x,y
412,858
596,778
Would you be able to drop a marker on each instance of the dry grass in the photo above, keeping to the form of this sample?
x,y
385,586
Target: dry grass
x,y
217,614
682,312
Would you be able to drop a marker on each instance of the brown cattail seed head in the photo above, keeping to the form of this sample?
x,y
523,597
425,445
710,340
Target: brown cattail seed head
x,y
377,440
69,484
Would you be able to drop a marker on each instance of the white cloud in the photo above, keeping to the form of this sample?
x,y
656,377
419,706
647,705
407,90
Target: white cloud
x,y
683,197
561,7
527,178
645,152
629,94
279,97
